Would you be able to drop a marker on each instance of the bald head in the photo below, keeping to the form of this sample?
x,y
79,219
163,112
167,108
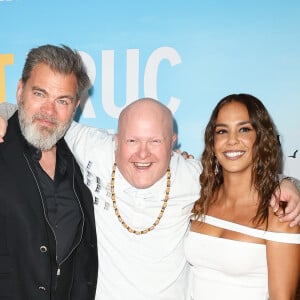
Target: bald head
x,y
147,107
144,142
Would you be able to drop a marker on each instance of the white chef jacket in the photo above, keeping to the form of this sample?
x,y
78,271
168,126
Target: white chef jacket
x,y
137,267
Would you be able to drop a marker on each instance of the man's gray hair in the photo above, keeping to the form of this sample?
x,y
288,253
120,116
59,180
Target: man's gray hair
x,y
63,60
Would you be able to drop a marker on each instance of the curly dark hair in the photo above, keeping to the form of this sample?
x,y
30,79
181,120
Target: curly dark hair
x,y
266,158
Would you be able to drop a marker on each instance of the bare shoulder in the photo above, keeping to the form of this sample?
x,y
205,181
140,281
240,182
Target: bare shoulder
x,y
276,226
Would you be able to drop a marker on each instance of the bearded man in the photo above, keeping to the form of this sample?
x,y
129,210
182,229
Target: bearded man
x,y
48,247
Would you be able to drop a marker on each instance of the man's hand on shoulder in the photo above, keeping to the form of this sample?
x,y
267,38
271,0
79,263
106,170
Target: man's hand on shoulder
x,y
288,193
185,154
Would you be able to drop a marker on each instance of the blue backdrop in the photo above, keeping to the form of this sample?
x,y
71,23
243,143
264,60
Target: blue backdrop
x,y
188,54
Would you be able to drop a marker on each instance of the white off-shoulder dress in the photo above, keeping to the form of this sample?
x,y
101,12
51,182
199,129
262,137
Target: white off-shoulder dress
x,y
230,269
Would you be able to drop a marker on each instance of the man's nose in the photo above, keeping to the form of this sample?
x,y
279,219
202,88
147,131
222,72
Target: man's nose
x,y
49,107
144,150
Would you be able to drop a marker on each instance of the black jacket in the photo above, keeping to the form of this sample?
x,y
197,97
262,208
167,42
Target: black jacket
x,y
28,265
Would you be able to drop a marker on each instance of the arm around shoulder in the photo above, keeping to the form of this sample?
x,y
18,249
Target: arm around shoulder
x,y
7,110
84,141
288,192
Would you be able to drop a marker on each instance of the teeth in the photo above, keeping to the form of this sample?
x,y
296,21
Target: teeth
x,y
137,164
234,154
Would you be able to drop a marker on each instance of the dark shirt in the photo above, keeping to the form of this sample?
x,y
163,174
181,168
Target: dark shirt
x,y
62,208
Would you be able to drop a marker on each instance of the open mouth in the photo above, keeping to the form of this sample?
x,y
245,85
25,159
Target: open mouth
x,y
234,154
141,165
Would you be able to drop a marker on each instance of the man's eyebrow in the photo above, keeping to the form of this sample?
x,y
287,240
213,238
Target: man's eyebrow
x,y
66,96
37,88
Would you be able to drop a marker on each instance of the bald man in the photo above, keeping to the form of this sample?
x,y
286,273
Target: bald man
x,y
143,198
143,194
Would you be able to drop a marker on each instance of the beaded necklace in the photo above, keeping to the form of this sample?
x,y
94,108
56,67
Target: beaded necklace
x,y
113,198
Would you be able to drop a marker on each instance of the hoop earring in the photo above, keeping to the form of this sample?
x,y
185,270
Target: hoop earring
x,y
217,169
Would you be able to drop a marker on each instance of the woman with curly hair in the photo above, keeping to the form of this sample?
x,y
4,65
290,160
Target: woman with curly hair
x,y
237,247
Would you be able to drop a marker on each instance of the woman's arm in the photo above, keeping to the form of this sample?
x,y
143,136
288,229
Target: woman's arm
x,y
283,261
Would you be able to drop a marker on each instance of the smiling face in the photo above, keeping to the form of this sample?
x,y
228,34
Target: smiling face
x,y
144,142
47,103
234,138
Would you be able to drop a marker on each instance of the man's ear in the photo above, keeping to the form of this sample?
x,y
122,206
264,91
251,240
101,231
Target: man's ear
x,y
76,105
174,139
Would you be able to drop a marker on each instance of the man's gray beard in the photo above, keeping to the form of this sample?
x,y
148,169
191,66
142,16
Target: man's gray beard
x,y
41,137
